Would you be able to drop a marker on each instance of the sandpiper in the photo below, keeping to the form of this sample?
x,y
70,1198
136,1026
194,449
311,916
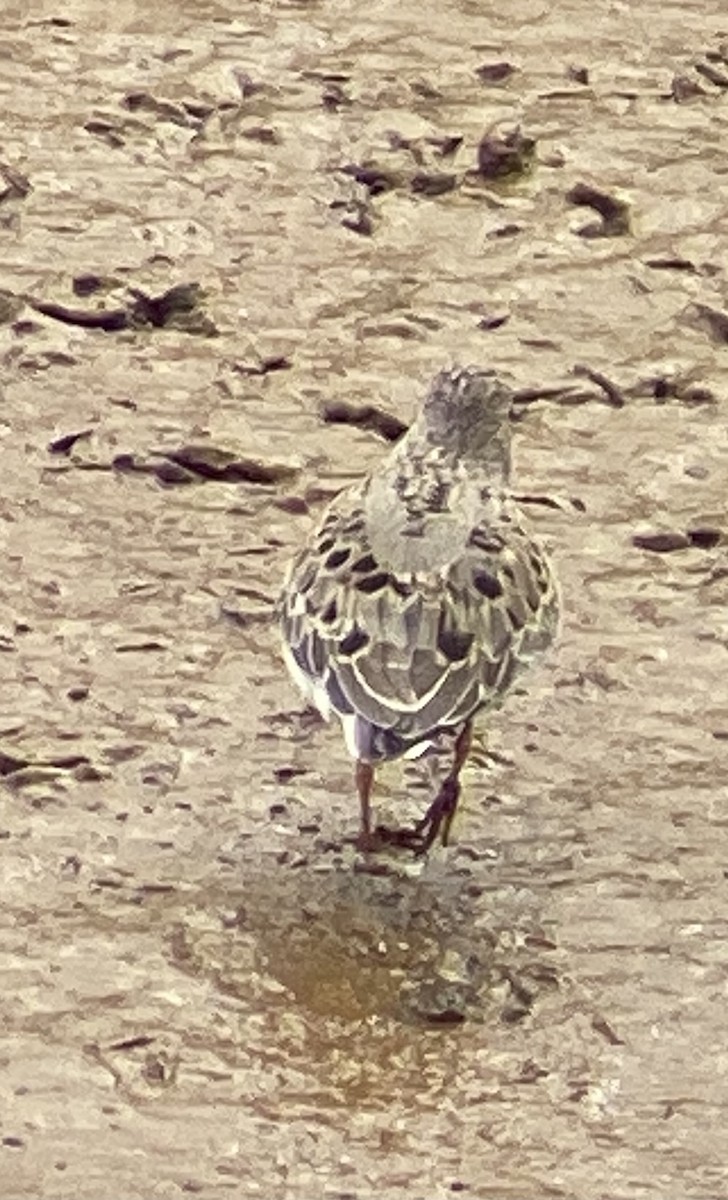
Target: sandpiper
x,y
421,595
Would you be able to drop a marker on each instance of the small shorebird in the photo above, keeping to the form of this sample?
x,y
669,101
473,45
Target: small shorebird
x,y
421,595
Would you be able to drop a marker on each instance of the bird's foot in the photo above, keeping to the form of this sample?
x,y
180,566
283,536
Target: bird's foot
x,y
420,837
385,838
370,841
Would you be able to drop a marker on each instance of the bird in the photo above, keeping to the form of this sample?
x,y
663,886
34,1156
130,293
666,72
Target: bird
x,y
421,596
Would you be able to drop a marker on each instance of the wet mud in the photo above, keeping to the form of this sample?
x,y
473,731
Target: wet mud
x,y
237,241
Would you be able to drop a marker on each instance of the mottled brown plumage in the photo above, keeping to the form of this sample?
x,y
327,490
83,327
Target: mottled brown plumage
x,y
421,594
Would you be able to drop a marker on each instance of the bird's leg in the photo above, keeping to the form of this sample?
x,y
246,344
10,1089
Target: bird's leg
x,y
439,816
369,839
364,780
450,790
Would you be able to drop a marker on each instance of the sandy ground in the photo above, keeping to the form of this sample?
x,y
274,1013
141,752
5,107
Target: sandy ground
x,y
202,994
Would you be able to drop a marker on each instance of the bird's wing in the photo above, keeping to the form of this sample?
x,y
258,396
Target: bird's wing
x,y
411,653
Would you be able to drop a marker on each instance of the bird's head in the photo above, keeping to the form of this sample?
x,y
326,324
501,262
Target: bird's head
x,y
466,411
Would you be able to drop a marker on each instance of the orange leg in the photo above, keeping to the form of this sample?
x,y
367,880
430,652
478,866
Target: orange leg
x,y
439,816
462,750
364,782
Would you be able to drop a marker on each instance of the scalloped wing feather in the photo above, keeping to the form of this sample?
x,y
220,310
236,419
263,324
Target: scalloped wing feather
x,y
398,656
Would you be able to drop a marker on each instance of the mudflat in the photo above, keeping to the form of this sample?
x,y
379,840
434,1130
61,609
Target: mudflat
x,y
238,240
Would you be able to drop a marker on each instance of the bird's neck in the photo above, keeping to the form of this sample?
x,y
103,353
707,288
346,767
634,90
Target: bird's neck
x,y
421,507
485,454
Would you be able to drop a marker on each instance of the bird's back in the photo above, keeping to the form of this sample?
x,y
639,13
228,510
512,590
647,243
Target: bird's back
x,y
420,597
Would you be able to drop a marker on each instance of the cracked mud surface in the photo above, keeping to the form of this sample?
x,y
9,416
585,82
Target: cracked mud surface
x,y
203,993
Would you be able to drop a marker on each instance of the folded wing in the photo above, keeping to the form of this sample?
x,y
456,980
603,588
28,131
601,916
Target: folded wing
x,y
399,656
